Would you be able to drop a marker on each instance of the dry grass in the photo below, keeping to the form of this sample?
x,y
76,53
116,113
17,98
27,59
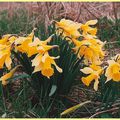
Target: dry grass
x,y
77,11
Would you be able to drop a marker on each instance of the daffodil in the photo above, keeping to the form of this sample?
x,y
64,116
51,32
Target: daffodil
x,y
44,64
113,71
6,45
91,49
7,39
38,42
32,45
22,45
4,39
68,28
93,73
87,30
42,46
7,76
12,39
5,56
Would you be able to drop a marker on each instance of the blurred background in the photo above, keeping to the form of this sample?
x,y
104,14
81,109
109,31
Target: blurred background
x,y
77,11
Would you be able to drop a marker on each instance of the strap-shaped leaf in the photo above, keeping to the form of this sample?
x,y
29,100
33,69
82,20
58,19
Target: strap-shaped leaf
x,y
72,109
53,89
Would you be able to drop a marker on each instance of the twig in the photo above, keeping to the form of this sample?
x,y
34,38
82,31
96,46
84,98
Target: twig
x,y
110,110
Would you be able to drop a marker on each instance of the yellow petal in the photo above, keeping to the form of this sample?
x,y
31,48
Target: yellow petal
x,y
2,61
38,68
92,31
8,62
31,51
48,40
19,40
95,67
12,39
86,70
91,22
96,84
58,68
36,60
110,62
76,42
46,55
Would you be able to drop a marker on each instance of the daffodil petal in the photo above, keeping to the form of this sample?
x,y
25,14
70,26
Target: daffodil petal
x,y
36,60
91,22
96,84
58,68
86,70
8,62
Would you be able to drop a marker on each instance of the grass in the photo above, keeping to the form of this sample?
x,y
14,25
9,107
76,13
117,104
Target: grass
x,y
109,30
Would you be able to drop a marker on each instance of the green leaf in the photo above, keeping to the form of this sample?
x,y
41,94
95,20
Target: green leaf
x,y
105,115
53,89
4,115
21,76
72,109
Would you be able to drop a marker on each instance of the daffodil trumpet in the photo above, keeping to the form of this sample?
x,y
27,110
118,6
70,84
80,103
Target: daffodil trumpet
x,y
93,73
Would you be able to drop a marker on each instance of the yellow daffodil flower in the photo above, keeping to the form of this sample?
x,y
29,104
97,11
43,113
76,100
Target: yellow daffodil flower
x,y
5,50
4,39
44,64
12,39
7,76
22,45
113,71
69,28
91,49
87,31
42,46
31,45
93,73
5,56
38,42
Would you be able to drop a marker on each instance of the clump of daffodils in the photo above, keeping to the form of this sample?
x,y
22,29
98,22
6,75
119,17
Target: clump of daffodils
x,y
94,72
87,45
29,45
91,49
